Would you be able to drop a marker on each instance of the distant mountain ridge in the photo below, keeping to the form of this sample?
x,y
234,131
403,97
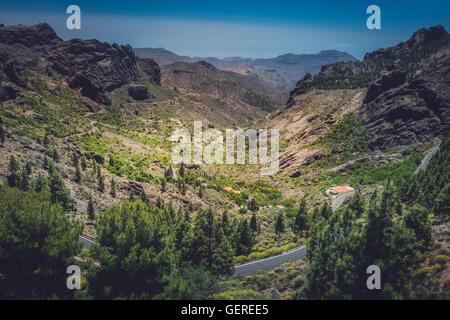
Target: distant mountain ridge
x,y
277,74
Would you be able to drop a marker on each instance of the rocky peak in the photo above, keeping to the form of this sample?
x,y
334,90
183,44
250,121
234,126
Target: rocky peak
x,y
29,36
425,36
393,76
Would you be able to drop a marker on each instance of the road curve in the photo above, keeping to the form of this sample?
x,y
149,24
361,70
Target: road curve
x,y
339,201
271,263
427,159
87,243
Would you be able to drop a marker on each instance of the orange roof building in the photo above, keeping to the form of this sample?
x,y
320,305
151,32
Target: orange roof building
x,y
341,189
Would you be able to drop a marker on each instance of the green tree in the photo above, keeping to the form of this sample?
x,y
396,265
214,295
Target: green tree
x,y
91,208
2,135
254,223
41,184
279,224
301,218
14,179
37,243
77,177
245,239
136,252
113,187
59,192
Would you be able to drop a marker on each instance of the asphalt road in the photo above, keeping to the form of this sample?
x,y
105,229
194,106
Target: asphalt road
x,y
87,243
271,263
339,201
427,159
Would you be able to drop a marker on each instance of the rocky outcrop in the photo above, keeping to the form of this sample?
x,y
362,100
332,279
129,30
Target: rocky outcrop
x,y
95,67
301,87
392,77
113,65
138,92
151,69
401,115
90,85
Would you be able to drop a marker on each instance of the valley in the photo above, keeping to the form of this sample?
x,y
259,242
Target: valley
x,y
86,136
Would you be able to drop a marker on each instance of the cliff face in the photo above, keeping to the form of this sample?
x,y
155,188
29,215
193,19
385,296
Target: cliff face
x,y
407,85
93,66
399,114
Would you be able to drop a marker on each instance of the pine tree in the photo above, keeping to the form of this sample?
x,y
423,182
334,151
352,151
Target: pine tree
x,y
279,224
28,167
83,164
91,209
246,240
163,184
24,180
101,181
254,223
46,140
77,174
301,218
111,161
41,184
144,197
14,179
59,192
2,135
252,205
113,188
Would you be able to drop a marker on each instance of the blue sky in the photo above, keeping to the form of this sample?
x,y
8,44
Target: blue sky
x,y
237,28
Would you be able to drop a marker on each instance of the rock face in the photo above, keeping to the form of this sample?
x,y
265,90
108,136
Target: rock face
x,y
138,92
90,85
399,115
95,67
151,69
300,88
113,65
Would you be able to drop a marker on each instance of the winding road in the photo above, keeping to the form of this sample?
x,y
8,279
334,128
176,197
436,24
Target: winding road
x,y
427,159
271,263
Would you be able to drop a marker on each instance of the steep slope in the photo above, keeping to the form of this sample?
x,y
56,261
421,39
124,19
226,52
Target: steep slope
x,y
238,98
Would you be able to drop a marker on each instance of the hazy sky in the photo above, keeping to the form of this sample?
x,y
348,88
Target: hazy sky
x,y
236,28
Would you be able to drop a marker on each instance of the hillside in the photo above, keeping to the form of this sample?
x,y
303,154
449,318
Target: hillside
x,y
235,97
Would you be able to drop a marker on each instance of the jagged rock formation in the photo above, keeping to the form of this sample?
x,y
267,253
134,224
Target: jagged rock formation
x,y
399,115
93,66
138,92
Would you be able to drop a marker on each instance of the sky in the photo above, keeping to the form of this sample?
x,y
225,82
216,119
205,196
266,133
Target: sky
x,y
254,29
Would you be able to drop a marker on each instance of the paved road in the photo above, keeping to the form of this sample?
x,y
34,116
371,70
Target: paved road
x,y
271,263
427,159
87,243
339,201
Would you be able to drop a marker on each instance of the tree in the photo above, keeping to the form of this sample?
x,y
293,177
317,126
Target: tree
x,y
144,197
245,239
24,180
254,223
101,181
163,184
91,209
14,179
252,205
36,247
2,135
83,163
46,140
41,184
210,246
77,177
59,192
28,168
301,218
136,252
279,224
442,202
113,187
111,161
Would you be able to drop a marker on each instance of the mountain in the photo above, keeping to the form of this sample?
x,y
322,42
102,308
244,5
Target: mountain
x,y
275,74
289,66
407,99
161,56
233,97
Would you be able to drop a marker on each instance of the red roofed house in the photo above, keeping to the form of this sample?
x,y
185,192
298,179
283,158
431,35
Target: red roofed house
x,y
341,189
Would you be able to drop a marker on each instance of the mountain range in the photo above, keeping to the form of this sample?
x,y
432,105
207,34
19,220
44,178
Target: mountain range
x,y
276,74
